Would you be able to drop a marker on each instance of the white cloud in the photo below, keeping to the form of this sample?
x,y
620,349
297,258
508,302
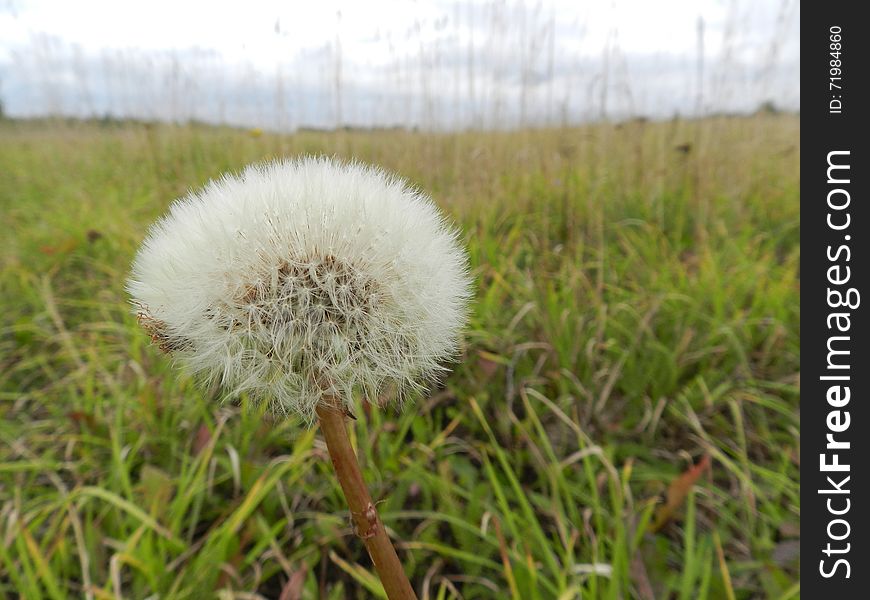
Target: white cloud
x,y
430,62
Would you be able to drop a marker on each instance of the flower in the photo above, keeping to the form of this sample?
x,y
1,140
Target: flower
x,y
302,281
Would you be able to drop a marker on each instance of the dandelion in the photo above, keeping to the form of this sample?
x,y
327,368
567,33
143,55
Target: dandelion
x,y
300,284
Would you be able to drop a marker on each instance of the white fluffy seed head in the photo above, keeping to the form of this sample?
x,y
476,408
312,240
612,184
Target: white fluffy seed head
x,y
305,281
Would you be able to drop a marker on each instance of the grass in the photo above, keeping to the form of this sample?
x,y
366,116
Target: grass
x,y
636,315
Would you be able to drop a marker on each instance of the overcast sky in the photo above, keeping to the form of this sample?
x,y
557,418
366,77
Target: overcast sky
x,y
380,62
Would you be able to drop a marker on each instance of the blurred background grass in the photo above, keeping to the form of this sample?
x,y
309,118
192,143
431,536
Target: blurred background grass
x,y
624,421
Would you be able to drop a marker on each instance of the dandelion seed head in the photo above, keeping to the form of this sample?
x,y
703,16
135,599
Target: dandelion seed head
x,y
299,281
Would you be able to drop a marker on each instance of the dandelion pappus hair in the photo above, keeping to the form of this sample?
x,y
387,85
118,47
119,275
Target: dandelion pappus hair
x,y
299,280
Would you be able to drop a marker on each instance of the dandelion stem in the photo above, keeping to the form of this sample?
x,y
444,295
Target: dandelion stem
x,y
365,515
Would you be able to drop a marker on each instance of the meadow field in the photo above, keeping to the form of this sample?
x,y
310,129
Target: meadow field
x,y
623,422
